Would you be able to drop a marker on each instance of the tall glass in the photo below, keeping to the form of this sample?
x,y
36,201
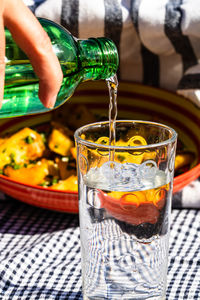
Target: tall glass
x,y
124,206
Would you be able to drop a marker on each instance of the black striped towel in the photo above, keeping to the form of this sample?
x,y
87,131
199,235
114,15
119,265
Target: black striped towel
x,y
158,41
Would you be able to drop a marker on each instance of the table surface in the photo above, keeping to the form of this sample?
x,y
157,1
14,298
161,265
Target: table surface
x,y
40,253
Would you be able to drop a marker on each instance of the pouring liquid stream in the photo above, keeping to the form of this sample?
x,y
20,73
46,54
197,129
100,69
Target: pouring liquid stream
x,y
112,84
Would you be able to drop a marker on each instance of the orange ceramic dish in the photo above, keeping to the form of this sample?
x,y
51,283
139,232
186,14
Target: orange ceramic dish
x,y
135,101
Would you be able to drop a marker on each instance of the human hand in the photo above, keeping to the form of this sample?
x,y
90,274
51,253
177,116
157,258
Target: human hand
x,y
34,41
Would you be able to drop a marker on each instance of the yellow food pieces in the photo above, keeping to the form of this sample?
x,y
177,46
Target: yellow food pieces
x,y
33,174
59,140
21,147
69,184
33,158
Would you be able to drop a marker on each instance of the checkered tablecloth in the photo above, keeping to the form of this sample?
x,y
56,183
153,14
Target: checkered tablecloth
x,y
40,254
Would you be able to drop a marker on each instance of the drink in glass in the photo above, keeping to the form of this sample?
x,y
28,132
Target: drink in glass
x,y
125,195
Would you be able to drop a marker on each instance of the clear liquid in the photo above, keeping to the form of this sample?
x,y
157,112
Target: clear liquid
x,y
124,223
124,237
112,84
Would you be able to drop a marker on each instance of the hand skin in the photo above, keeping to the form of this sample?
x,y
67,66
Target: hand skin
x,y
34,41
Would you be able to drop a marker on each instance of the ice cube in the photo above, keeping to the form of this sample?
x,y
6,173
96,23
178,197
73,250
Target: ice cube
x,y
147,170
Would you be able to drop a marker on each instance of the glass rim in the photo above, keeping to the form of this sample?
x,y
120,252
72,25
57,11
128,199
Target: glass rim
x,y
112,147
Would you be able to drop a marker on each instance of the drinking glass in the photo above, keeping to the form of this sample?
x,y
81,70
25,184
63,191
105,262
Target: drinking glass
x,y
125,191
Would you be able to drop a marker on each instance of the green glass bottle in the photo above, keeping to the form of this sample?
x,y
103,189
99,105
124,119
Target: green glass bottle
x,y
80,60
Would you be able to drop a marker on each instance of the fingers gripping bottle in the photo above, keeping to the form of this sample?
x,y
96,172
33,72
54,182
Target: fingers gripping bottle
x,y
80,60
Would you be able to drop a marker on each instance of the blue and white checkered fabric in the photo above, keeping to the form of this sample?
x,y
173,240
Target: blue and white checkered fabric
x,y
40,254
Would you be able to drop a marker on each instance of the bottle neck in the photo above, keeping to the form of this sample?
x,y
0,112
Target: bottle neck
x,y
98,57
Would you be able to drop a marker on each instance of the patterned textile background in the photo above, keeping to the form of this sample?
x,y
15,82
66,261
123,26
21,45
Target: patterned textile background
x,y
158,41
41,260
